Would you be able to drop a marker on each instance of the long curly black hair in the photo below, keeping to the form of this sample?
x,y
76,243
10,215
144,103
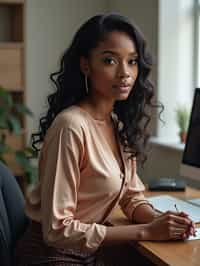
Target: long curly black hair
x,y
133,113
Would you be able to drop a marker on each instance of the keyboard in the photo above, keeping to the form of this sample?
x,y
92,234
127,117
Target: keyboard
x,y
165,203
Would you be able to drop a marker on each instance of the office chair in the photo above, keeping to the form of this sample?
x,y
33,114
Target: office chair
x,y
13,220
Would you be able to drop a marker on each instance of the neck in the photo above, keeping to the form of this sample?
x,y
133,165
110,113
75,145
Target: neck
x,y
100,110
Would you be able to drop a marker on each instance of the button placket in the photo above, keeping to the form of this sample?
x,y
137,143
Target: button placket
x,y
123,185
121,175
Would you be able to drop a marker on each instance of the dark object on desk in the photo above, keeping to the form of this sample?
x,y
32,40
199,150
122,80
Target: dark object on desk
x,y
167,184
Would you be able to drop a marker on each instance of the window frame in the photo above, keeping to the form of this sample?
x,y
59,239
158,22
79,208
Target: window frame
x,y
196,43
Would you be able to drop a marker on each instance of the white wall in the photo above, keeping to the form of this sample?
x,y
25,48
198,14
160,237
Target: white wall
x,y
145,15
50,25
164,162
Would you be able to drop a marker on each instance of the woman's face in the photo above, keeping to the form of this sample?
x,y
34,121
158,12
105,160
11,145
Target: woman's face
x,y
112,67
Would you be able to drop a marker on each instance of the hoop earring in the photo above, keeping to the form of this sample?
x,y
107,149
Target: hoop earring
x,y
86,85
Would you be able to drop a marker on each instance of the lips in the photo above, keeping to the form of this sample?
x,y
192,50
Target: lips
x,y
123,87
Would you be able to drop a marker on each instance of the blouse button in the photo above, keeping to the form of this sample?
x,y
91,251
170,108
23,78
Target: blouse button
x,y
121,175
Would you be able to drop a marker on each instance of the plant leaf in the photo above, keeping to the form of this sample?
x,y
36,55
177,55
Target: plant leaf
x,y
182,117
32,175
6,97
14,125
23,109
3,124
30,152
3,111
4,148
21,158
30,171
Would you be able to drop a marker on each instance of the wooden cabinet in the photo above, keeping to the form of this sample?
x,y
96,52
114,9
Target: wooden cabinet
x,y
11,67
12,61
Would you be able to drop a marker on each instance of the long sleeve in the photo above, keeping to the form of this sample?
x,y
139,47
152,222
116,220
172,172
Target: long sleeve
x,y
133,196
61,163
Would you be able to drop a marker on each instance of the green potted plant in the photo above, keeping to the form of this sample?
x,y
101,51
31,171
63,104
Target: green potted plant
x,y
10,113
182,119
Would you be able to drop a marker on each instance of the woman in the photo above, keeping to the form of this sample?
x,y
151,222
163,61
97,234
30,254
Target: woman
x,y
92,134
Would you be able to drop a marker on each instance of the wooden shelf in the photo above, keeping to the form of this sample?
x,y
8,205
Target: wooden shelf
x,y
13,2
13,45
16,90
11,22
12,67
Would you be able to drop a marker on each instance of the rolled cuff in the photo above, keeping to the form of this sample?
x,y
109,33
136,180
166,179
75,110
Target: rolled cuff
x,y
78,236
95,238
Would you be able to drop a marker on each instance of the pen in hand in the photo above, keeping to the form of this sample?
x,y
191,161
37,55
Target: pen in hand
x,y
191,226
176,208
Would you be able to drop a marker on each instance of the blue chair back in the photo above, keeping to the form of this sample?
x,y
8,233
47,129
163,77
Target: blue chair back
x,y
13,220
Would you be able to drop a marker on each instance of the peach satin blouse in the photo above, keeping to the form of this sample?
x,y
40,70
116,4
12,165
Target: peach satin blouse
x,y
80,182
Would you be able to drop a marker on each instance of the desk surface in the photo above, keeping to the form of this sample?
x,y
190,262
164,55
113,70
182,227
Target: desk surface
x,y
175,253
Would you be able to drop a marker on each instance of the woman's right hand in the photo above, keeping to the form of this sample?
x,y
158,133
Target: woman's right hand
x,y
169,226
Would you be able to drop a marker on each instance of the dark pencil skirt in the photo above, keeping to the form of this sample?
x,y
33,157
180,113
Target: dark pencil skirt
x,y
32,250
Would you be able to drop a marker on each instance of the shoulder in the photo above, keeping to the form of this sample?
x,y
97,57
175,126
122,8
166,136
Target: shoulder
x,y
70,121
70,118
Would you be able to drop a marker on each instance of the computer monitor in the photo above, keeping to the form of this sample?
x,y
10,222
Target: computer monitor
x,y
190,165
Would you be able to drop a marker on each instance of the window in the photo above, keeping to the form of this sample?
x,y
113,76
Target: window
x,y
176,57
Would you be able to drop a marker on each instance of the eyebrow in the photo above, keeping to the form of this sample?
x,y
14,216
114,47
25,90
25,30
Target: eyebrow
x,y
115,53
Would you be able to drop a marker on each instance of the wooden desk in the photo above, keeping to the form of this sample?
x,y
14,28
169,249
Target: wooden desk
x,y
174,253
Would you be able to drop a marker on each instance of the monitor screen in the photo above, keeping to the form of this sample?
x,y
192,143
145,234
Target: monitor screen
x,y
190,166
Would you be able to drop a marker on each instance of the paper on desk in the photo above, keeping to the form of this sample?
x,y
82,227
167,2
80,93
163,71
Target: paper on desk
x,y
164,203
197,235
